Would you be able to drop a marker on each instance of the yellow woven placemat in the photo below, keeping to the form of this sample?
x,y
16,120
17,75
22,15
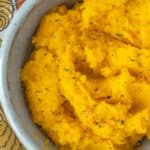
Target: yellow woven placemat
x,y
8,140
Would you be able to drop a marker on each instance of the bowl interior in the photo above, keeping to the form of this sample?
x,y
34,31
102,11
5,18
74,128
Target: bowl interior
x,y
20,50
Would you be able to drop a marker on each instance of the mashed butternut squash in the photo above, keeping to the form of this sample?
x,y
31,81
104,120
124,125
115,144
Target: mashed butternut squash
x,y
88,81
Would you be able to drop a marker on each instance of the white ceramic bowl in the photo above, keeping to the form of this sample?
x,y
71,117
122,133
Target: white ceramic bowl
x,y
14,52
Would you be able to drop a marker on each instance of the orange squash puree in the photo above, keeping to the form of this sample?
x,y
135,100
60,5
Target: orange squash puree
x,y
88,81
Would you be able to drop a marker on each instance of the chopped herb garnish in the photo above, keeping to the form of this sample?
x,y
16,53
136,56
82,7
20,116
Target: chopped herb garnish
x,y
119,34
46,89
73,77
139,54
96,89
122,122
54,55
66,69
122,95
131,59
108,97
56,20
38,91
96,123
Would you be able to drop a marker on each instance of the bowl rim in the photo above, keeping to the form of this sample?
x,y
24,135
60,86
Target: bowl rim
x,y
4,91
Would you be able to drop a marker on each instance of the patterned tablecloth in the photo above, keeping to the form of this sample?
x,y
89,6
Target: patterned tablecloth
x,y
8,140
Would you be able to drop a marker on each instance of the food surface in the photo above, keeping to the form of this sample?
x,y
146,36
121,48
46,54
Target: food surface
x,y
88,81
